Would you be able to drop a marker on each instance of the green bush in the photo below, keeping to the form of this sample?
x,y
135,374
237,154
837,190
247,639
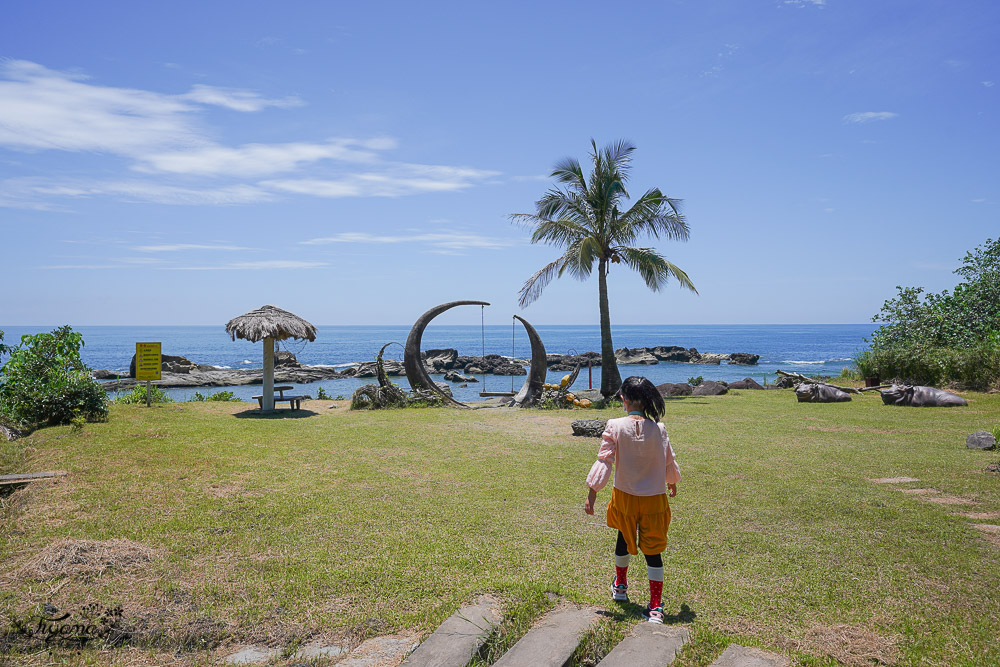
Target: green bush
x,y
221,396
321,394
138,395
45,383
975,367
695,381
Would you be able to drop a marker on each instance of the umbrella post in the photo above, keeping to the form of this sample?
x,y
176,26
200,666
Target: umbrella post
x,y
268,403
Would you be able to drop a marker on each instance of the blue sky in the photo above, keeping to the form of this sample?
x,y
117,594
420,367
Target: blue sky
x,y
355,163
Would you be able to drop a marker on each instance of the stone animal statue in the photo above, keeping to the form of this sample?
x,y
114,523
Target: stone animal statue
x,y
920,397
820,393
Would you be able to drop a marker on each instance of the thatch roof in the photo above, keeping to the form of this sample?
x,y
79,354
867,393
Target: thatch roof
x,y
270,322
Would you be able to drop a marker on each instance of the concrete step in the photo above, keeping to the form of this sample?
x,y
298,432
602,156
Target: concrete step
x,y
552,641
457,639
746,656
649,645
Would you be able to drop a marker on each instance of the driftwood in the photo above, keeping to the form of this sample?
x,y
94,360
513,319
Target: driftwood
x,y
25,478
849,390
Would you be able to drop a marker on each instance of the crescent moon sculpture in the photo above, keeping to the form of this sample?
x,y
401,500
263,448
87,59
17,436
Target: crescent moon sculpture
x,y
419,379
532,389
412,364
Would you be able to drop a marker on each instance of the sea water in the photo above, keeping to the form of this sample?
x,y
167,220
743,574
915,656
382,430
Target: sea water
x,y
811,349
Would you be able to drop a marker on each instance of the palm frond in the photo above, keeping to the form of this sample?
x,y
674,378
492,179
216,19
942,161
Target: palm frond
x,y
533,286
654,269
568,171
619,157
654,214
580,257
558,232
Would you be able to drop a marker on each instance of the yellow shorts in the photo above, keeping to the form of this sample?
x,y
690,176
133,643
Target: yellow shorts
x,y
649,516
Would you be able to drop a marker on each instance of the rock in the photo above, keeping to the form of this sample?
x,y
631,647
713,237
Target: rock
x,y
10,433
920,397
446,358
234,378
674,389
820,393
455,376
709,358
745,383
981,440
592,428
175,366
106,375
744,358
286,359
674,353
444,387
710,388
368,369
638,355
784,382
593,395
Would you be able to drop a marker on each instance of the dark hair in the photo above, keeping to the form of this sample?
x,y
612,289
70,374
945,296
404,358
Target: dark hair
x,y
641,391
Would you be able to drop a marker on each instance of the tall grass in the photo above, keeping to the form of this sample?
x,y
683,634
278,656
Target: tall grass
x,y
976,367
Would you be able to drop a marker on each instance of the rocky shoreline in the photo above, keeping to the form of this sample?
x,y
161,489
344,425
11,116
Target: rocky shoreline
x,y
181,372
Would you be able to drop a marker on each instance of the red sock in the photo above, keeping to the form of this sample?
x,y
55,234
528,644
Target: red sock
x,y
655,593
621,576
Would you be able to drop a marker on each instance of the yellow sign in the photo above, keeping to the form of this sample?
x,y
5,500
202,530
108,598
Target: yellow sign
x,y
147,361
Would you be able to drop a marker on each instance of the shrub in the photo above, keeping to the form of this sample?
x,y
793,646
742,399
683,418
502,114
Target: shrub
x,y
975,367
44,382
138,395
322,395
694,382
221,396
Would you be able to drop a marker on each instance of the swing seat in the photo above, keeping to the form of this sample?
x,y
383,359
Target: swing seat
x,y
485,394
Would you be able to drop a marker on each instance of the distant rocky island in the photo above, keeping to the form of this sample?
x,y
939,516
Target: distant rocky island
x,y
181,372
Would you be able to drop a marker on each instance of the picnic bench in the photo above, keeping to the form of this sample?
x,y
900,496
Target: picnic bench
x,y
294,402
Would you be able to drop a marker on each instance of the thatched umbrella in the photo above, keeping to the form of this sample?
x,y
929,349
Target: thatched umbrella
x,y
269,323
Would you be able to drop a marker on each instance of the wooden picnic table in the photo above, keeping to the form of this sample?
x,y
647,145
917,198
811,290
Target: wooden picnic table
x,y
294,402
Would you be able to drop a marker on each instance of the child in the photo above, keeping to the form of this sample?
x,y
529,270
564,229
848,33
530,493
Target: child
x,y
638,447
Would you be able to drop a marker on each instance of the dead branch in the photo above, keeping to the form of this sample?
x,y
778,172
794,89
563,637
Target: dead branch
x,y
803,378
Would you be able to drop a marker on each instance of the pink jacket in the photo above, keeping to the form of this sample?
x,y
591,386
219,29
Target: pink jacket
x,y
645,459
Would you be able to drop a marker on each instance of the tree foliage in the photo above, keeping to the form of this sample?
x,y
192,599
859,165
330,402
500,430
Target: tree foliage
x,y
44,382
929,338
590,219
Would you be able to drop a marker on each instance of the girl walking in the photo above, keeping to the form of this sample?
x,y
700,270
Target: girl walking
x,y
639,449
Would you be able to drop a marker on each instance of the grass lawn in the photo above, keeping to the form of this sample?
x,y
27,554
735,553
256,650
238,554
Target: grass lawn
x,y
344,525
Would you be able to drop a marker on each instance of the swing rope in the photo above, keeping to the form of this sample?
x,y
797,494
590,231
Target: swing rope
x,y
482,328
512,322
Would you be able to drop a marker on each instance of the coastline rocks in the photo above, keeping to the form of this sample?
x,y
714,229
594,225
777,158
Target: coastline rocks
x,y
591,428
744,359
710,388
285,359
710,358
674,353
454,376
745,383
635,356
231,378
820,393
674,389
440,360
367,369
983,440
176,366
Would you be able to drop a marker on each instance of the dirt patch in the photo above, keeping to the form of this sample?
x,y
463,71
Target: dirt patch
x,y
85,558
990,528
920,492
980,515
949,500
851,645
993,467
894,480
225,490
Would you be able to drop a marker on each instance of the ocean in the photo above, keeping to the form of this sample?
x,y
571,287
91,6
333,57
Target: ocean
x,y
821,349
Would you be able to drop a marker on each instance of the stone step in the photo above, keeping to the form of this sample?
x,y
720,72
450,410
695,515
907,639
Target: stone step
x,y
552,641
457,639
649,645
747,656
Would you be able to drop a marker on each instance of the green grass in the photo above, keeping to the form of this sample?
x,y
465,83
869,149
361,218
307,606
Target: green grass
x,y
348,525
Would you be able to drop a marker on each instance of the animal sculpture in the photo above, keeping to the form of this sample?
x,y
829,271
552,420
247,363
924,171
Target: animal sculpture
x,y
820,393
920,397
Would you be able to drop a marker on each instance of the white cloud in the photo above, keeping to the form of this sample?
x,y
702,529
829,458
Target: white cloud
x,y
237,100
980,200
259,159
438,241
862,117
187,246
806,3
988,84
26,193
396,181
270,264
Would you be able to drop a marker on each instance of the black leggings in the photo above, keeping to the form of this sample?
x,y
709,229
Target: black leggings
x,y
621,549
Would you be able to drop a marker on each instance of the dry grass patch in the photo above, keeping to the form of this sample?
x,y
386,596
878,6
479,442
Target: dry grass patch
x,y
850,645
85,558
980,515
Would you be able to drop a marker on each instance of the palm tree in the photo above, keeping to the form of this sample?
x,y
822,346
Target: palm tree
x,y
584,218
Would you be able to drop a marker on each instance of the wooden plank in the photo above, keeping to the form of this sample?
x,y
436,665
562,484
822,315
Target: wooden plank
x,y
24,478
497,393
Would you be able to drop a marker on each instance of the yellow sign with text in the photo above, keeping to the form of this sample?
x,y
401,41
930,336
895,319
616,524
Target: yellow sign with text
x,y
147,361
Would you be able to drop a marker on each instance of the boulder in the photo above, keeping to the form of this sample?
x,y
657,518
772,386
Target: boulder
x,y
455,376
592,428
674,389
285,359
820,393
744,358
367,369
637,355
674,353
745,383
10,433
981,440
710,388
709,358
592,395
920,397
445,358
102,374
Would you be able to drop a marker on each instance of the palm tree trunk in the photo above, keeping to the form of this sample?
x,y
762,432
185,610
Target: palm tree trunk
x,y
611,380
